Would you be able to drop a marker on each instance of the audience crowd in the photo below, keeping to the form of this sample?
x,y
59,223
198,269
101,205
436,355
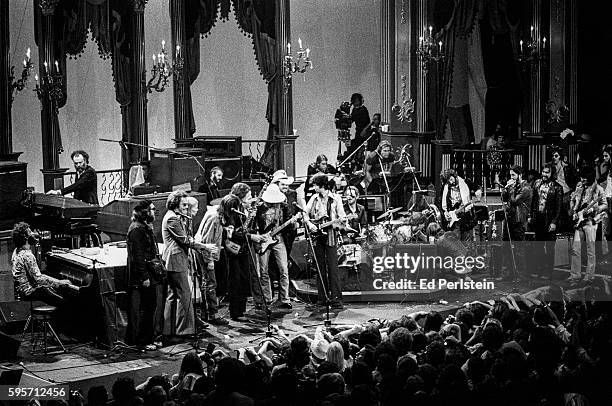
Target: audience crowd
x,y
515,351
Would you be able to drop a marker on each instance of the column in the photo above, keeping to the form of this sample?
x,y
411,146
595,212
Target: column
x,y
177,22
557,53
536,73
283,36
6,135
52,173
387,58
139,133
421,96
573,49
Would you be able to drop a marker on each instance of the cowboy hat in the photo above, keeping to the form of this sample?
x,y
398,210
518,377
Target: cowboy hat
x,y
273,194
281,176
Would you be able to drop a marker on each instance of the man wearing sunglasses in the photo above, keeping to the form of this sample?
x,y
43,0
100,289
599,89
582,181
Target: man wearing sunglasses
x,y
565,175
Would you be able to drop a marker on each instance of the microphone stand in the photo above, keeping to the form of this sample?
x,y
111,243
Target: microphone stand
x,y
354,152
269,332
514,269
327,322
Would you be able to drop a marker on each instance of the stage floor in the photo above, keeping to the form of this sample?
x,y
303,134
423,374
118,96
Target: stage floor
x,y
84,366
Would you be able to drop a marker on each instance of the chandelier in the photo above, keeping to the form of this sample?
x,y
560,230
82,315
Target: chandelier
x,y
531,52
429,51
297,64
19,84
49,85
164,68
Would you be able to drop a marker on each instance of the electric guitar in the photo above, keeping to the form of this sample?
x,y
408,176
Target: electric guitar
x,y
322,224
269,240
453,216
580,219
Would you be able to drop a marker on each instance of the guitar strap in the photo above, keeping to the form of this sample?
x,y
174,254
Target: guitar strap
x,y
331,235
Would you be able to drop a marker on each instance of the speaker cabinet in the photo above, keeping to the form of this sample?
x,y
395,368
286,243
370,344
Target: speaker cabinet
x,y
13,179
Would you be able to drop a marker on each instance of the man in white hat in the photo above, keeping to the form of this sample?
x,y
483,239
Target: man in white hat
x,y
283,181
270,215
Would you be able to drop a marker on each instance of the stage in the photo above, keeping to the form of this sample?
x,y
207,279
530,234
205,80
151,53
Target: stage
x,y
84,366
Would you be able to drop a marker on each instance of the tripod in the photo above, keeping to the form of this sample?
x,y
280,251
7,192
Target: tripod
x,y
327,322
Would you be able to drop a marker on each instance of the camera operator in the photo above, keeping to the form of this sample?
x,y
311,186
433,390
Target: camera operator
x,y
373,129
360,115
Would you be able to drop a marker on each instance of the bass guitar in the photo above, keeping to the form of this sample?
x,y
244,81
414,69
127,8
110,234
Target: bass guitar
x,y
269,237
322,224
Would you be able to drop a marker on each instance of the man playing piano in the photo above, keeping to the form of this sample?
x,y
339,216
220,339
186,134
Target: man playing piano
x,y
30,283
85,186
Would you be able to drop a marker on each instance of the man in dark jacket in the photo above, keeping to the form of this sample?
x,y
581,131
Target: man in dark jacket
x,y
145,320
517,199
546,207
85,186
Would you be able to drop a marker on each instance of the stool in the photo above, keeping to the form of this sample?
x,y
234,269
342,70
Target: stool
x,y
39,322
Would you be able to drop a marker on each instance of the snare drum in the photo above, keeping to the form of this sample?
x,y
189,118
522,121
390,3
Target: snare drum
x,y
349,255
378,233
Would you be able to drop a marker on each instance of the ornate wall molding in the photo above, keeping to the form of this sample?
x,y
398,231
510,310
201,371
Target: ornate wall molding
x,y
48,6
387,57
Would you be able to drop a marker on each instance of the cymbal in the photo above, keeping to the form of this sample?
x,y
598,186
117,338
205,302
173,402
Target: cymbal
x,y
420,192
388,212
405,213
396,222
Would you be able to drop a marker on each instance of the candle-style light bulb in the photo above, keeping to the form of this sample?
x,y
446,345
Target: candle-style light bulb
x,y
544,41
430,29
36,79
46,67
440,44
24,63
300,42
178,51
28,53
521,44
288,47
57,67
307,52
163,44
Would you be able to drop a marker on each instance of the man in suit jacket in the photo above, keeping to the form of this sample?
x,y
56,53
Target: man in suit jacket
x,y
177,243
546,205
85,186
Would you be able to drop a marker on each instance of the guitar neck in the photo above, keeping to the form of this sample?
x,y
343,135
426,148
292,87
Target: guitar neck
x,y
281,227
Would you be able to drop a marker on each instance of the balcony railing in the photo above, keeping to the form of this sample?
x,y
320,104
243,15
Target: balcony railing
x,y
112,184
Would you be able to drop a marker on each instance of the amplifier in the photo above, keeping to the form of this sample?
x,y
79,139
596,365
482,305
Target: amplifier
x,y
228,146
169,170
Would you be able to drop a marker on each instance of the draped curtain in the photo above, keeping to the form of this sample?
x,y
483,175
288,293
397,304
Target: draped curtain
x,y
109,23
256,20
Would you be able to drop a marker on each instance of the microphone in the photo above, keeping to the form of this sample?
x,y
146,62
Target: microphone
x,y
239,212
